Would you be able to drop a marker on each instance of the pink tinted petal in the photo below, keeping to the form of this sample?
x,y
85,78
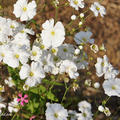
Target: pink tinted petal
x,y
20,95
22,103
26,101
25,96
19,99
32,117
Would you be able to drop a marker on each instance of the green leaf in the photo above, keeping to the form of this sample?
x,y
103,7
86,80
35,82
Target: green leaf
x,y
51,96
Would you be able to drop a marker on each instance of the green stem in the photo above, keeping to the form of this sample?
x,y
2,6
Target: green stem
x,y
14,116
56,14
67,88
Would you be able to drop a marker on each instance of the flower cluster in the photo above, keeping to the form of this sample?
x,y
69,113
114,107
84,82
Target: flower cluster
x,y
39,62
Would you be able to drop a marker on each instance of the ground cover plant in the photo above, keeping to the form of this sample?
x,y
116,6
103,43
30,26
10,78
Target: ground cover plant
x,y
48,69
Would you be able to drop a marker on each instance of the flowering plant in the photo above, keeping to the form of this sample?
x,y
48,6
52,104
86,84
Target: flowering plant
x,y
48,75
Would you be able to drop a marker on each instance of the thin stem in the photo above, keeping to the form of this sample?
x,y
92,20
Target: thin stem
x,y
67,88
56,14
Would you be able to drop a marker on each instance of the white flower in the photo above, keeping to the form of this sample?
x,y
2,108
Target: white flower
x,y
97,8
52,35
112,87
4,53
88,82
10,82
80,23
96,85
33,73
111,72
4,30
36,53
47,62
56,112
86,115
13,25
81,15
72,114
101,108
73,17
105,110
84,106
69,67
13,106
80,61
18,55
24,10
22,40
77,51
77,4
94,48
66,51
101,66
83,37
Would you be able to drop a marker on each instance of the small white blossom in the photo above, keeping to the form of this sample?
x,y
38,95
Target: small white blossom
x,y
56,112
112,87
13,106
101,65
73,17
96,85
36,53
24,10
76,4
33,73
97,8
83,37
52,35
81,15
69,67
10,82
94,48
77,51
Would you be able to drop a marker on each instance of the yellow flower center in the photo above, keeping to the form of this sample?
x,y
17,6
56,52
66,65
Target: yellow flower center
x,y
31,74
42,46
55,58
53,33
56,115
113,87
1,89
2,54
53,50
17,56
12,26
84,39
24,9
75,2
102,63
97,8
65,50
22,31
34,53
84,115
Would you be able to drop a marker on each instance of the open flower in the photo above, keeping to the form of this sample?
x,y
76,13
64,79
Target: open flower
x,y
52,35
23,99
33,73
83,37
56,112
77,4
112,87
97,8
69,67
24,10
